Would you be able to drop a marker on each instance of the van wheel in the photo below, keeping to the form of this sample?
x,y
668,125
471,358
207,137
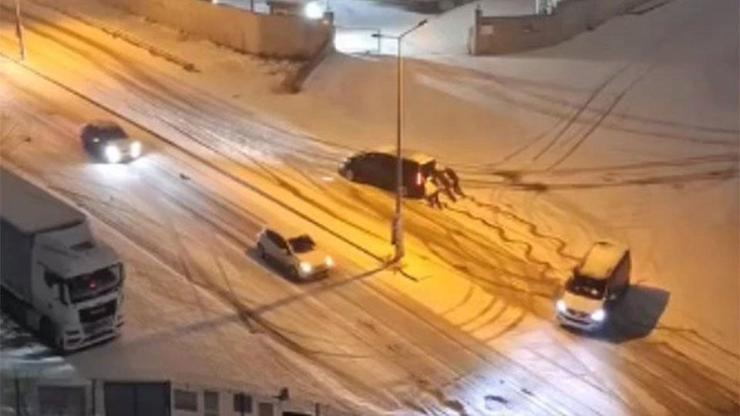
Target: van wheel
x,y
48,333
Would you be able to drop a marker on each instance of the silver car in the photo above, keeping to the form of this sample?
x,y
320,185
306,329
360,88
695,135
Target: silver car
x,y
298,256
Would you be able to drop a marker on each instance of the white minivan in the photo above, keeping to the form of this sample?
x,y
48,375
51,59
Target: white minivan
x,y
602,277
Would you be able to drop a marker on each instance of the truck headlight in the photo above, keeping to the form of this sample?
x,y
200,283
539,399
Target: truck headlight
x,y
329,261
305,267
561,306
598,315
112,153
135,149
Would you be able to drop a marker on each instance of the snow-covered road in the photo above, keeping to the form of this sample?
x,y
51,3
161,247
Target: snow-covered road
x,y
475,334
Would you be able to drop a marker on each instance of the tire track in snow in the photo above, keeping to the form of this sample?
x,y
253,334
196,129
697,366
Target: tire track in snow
x,y
560,244
501,233
580,110
598,121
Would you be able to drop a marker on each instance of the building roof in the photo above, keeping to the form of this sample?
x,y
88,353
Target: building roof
x,y
31,209
601,259
409,154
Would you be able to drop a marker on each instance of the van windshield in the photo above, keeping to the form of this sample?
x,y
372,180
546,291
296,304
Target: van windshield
x,y
88,286
586,286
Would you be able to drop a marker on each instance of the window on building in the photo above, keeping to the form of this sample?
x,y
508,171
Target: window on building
x,y
243,403
186,400
210,403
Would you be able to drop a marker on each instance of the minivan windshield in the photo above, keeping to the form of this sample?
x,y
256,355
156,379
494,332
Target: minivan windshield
x,y
88,286
586,286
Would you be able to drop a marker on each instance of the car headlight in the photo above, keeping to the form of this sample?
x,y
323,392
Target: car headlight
x,y
561,306
329,261
135,149
598,315
112,153
305,267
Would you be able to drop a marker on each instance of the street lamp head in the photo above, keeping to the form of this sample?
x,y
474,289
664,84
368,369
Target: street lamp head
x,y
313,10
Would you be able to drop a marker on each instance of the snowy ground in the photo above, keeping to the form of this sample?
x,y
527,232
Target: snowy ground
x,y
476,331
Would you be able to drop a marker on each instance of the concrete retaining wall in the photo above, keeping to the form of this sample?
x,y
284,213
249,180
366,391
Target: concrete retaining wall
x,y
492,35
272,35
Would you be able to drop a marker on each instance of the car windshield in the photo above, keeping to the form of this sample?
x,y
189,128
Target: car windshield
x,y
88,286
302,244
587,286
112,132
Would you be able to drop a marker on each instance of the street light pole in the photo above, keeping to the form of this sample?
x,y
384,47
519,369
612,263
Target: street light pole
x,y
19,29
397,237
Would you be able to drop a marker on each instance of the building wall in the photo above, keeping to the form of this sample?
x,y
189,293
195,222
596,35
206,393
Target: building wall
x,y
272,35
491,35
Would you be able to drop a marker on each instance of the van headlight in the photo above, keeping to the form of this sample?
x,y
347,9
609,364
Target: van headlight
x,y
305,267
112,153
329,261
135,149
561,306
598,315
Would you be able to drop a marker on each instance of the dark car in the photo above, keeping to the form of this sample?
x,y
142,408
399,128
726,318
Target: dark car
x,y
107,141
378,168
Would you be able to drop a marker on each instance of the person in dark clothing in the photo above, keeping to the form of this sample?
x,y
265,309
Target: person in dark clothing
x,y
441,181
431,192
455,181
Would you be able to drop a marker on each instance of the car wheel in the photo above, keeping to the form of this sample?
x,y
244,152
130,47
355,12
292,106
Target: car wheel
x,y
293,273
261,251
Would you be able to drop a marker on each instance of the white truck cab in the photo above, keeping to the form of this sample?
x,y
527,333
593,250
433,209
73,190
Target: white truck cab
x,y
56,278
601,278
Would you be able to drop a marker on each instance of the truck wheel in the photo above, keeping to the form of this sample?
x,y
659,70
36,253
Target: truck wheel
x,y
48,333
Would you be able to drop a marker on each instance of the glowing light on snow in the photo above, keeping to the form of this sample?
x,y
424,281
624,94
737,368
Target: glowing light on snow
x,y
313,10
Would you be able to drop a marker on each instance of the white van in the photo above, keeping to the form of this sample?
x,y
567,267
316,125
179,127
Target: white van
x,y
602,277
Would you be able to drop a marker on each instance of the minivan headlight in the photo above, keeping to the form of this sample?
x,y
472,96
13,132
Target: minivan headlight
x,y
135,149
598,315
112,153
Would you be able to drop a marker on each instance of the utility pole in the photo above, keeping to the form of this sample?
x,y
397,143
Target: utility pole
x,y
19,29
397,236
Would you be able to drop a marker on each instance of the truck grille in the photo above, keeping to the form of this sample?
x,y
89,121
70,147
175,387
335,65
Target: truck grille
x,y
103,325
96,313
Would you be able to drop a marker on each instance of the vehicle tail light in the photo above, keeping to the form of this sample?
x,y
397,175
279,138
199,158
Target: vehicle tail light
x,y
419,178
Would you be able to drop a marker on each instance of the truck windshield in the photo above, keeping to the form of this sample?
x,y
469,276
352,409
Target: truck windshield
x,y
88,286
586,286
